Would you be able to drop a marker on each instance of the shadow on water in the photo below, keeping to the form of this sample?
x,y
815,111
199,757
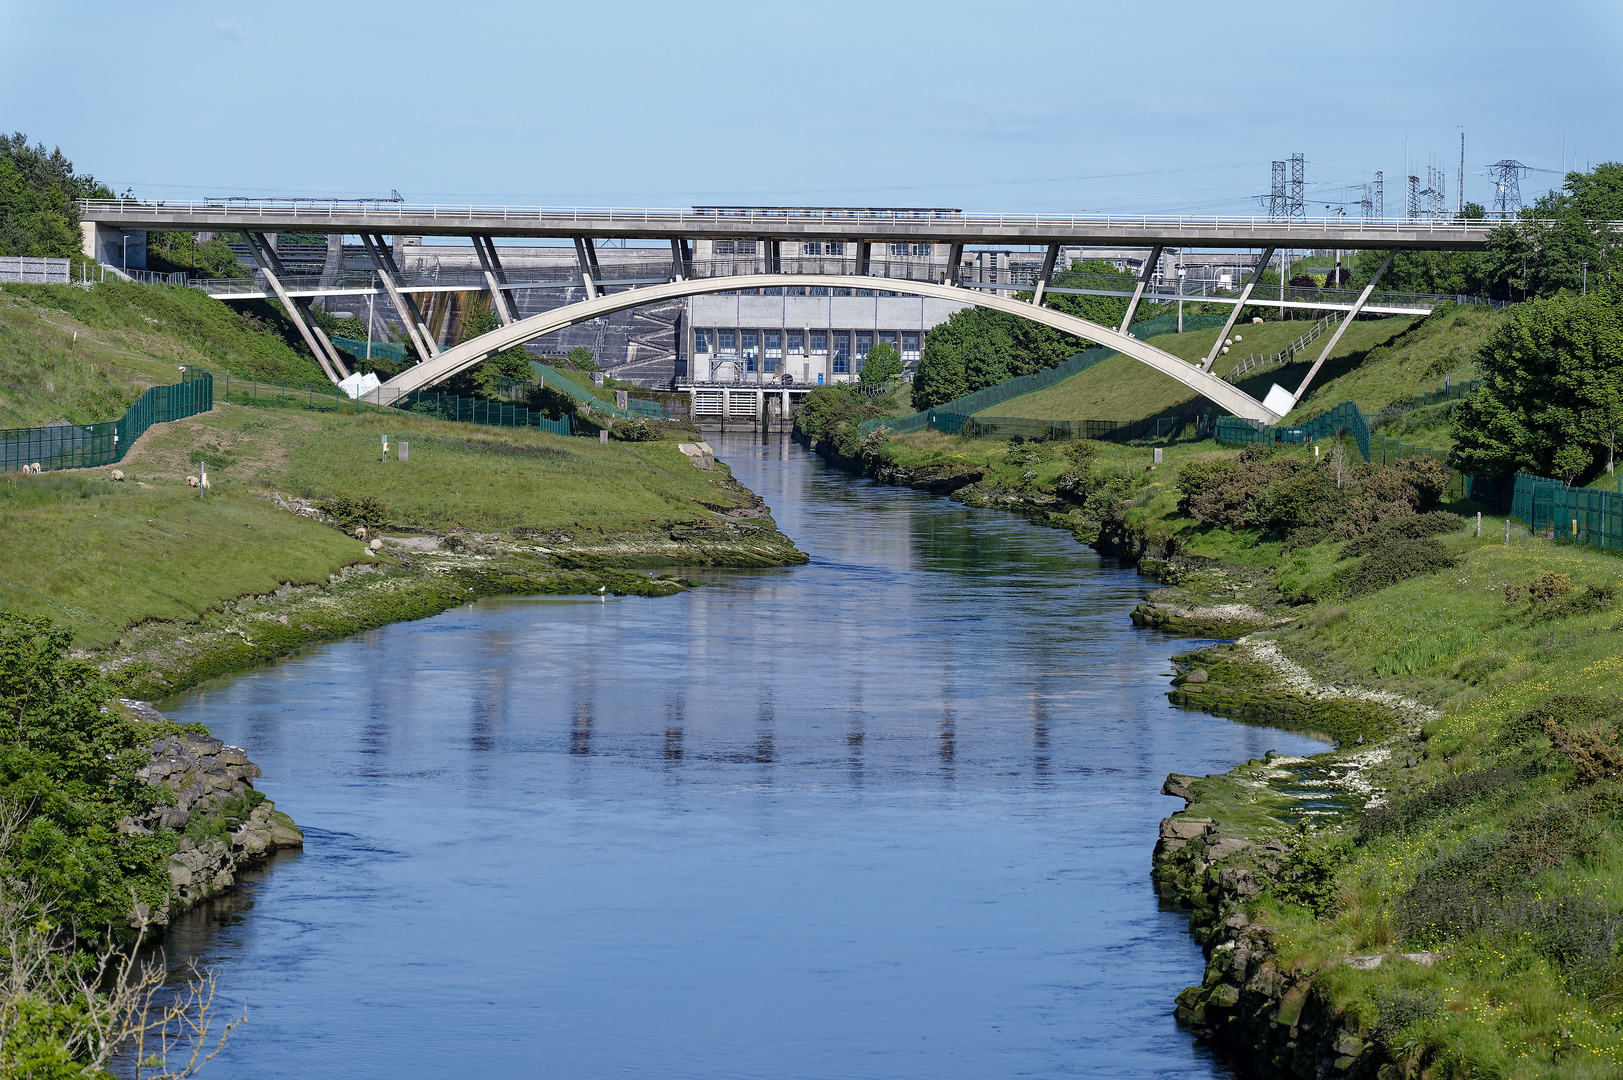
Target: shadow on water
x,y
888,814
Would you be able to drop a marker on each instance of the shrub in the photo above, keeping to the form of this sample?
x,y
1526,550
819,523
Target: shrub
x,y
1401,527
1591,746
1446,797
1548,586
349,511
1577,709
1392,562
1587,601
1308,876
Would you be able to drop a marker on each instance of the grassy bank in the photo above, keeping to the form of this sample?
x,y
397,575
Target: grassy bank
x,y
163,587
1377,362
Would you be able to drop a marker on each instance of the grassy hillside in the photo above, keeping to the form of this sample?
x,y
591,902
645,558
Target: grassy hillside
x,y
100,556
1377,362
130,337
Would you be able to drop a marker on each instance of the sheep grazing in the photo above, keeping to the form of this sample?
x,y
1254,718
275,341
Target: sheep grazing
x,y
32,469
204,483
360,532
118,476
191,481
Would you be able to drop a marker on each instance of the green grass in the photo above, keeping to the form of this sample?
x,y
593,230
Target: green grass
x,y
1377,363
98,556
459,476
130,337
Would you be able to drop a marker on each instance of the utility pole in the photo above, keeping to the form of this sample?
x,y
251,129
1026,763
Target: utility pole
x,y
1461,210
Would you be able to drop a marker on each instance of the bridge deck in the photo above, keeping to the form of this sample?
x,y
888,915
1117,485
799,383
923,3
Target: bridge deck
x,y
934,226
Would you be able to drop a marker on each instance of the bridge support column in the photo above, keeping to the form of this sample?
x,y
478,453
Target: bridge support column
x,y
864,258
327,356
955,256
494,278
1245,294
1363,297
774,256
586,259
1046,276
383,262
681,259
1146,272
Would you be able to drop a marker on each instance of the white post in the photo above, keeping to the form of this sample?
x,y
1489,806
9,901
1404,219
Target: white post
x,y
1479,524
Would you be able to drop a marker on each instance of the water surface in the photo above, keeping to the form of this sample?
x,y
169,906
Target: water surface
x,y
885,815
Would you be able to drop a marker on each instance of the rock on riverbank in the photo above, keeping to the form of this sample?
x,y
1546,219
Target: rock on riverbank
x,y
221,824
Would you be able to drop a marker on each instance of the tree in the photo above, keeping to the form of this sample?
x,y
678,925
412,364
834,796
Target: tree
x,y
488,378
882,365
1552,396
1564,238
39,213
580,358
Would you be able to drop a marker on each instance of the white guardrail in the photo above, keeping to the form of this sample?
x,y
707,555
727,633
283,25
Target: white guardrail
x,y
315,211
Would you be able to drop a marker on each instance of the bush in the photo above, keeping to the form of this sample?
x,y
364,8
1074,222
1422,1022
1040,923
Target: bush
x,y
1549,586
1591,746
1447,797
349,511
1308,876
1392,562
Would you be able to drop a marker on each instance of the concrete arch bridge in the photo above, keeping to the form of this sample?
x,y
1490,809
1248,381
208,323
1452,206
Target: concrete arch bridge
x,y
768,229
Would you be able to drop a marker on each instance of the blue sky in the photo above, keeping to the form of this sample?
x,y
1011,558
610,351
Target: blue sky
x,y
1169,107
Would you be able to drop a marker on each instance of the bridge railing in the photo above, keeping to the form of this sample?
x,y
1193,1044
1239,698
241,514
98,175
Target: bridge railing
x,y
314,211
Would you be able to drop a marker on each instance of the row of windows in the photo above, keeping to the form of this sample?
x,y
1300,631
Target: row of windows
x,y
816,247
807,290
769,347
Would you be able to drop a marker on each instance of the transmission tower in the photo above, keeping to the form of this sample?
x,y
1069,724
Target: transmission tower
x,y
1436,191
1380,195
1411,204
1366,205
1278,200
1298,199
1507,184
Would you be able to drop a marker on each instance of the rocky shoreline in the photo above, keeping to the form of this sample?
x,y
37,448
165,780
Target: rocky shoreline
x,y
219,822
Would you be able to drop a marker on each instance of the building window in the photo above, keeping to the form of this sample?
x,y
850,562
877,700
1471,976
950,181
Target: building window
x,y
819,342
795,290
726,341
910,347
922,250
842,352
817,290
773,347
797,342
776,290
723,247
834,247
842,292
865,292
899,249
744,247
864,346
701,341
747,340
813,248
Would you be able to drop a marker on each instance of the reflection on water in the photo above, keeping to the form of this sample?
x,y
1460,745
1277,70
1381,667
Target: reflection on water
x,y
885,815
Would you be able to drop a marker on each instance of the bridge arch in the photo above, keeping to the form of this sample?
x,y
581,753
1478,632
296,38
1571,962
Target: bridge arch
x,y
460,357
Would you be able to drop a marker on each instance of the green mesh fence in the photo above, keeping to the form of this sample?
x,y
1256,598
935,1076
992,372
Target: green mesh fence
x,y
81,446
1021,385
241,390
479,411
1451,392
391,351
1006,427
1554,510
1346,417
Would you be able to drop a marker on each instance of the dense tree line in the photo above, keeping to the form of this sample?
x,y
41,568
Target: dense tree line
x,y
39,215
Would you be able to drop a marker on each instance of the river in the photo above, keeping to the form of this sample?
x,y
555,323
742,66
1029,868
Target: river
x,y
888,814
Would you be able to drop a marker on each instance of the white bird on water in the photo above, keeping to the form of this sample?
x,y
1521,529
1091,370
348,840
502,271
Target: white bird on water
x,y
601,589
